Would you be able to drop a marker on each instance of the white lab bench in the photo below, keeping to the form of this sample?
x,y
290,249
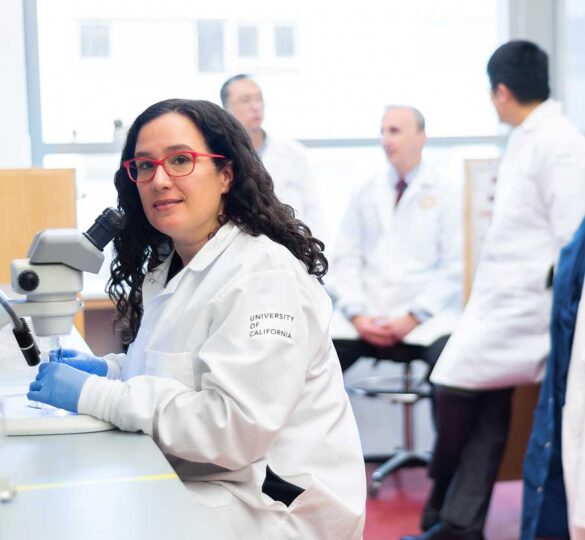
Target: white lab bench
x,y
101,485
111,484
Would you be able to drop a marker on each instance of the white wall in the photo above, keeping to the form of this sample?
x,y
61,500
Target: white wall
x,y
535,20
14,139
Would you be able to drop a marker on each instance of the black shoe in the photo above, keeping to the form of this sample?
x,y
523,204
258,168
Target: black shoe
x,y
443,531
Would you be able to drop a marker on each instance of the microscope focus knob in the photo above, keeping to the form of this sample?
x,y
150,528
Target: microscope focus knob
x,y
28,280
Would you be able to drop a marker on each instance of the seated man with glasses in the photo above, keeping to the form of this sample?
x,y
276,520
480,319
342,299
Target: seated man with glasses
x,y
285,160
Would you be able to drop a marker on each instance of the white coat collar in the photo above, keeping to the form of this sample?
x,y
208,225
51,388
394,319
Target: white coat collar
x,y
385,193
214,247
417,176
416,180
540,115
409,177
154,281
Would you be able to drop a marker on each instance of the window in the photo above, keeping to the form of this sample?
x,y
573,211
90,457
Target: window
x,y
325,72
284,40
573,61
210,46
95,39
248,41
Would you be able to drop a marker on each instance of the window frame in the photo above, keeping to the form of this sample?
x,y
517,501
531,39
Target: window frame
x,y
40,148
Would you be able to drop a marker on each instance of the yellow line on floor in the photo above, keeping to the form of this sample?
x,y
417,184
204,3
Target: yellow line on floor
x,y
78,483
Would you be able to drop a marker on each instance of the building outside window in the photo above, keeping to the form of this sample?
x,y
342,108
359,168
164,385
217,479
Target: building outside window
x,y
210,46
248,41
95,39
284,40
573,63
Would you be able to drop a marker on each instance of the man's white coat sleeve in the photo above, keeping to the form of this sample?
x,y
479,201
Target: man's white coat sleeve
x,y
561,178
312,208
345,282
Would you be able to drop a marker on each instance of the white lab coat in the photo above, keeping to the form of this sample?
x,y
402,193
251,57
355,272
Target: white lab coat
x,y
233,370
294,183
573,434
502,338
389,260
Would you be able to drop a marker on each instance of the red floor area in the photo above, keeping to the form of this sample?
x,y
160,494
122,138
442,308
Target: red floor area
x,y
396,510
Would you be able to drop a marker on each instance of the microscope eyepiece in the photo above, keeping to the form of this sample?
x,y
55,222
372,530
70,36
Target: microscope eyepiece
x,y
109,223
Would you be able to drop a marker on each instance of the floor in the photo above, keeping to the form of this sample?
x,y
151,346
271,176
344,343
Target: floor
x,y
380,420
396,509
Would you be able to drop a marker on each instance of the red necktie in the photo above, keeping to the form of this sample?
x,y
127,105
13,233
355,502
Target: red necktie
x,y
400,188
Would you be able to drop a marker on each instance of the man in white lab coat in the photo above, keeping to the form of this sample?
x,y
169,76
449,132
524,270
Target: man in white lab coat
x,y
396,274
502,338
285,160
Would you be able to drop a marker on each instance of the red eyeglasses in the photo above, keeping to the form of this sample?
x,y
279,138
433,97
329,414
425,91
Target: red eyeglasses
x,y
177,164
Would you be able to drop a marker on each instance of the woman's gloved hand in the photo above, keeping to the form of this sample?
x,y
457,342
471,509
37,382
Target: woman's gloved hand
x,y
59,385
80,360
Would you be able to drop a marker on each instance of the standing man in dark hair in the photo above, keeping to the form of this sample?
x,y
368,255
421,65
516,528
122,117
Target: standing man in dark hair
x,y
285,160
503,336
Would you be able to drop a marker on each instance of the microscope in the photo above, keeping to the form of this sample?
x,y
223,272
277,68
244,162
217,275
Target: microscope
x,y
52,276
50,279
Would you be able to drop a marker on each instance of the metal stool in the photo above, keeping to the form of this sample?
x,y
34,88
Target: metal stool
x,y
407,391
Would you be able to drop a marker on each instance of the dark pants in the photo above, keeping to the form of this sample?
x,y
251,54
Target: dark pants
x,y
472,429
350,350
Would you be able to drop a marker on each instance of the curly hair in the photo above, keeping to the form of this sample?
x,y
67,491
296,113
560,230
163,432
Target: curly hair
x,y
250,204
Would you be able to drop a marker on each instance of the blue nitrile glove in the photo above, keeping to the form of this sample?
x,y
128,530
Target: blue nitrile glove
x,y
58,385
80,360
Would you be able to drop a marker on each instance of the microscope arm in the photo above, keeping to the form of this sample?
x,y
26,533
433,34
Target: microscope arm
x,y
52,276
21,332
52,316
4,318
9,312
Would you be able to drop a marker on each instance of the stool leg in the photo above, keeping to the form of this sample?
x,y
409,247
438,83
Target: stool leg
x,y
408,455
407,417
401,459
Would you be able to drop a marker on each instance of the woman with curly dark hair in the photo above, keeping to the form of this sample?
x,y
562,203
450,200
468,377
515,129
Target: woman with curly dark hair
x,y
230,366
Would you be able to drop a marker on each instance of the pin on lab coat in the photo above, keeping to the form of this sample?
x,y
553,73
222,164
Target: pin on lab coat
x,y
390,259
573,431
503,336
233,371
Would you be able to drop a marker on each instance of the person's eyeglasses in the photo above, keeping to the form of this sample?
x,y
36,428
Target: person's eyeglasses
x,y
177,164
248,100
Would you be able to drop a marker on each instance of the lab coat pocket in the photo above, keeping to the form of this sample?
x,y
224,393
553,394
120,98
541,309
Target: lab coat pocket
x,y
279,489
178,366
318,513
